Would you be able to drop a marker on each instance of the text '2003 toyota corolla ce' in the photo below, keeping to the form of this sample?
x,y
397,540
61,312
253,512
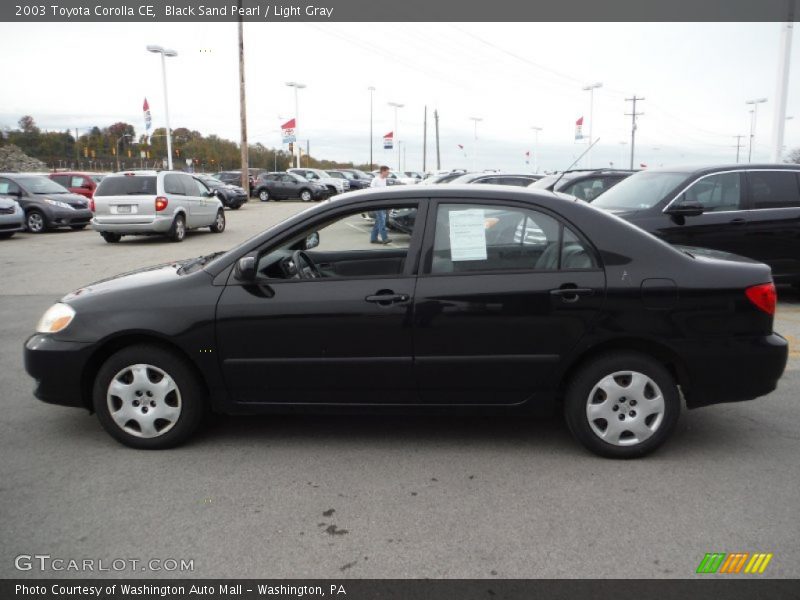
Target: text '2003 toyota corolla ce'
x,y
498,299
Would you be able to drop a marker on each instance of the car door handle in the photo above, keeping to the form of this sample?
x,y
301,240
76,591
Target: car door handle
x,y
738,221
388,298
571,294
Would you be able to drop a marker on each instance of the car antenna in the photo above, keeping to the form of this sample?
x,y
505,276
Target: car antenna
x,y
575,162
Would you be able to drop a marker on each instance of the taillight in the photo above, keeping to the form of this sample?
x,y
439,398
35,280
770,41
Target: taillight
x,y
763,296
91,204
161,203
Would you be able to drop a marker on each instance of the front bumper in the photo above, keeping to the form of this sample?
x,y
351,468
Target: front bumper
x,y
62,217
159,224
12,222
732,369
57,366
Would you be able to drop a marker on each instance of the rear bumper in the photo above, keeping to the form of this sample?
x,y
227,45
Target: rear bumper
x,y
159,224
57,367
734,369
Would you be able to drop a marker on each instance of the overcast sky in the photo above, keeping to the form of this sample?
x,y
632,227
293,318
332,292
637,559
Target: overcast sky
x,y
695,78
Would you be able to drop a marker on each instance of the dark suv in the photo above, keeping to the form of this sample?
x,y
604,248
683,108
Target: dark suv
x,y
277,186
750,210
584,184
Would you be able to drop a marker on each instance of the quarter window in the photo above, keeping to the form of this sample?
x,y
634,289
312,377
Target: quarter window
x,y
774,189
717,193
173,185
496,238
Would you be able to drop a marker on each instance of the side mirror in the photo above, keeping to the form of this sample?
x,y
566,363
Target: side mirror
x,y
312,241
211,193
685,208
245,269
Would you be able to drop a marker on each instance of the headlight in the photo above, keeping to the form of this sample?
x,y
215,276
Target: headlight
x,y
57,203
56,318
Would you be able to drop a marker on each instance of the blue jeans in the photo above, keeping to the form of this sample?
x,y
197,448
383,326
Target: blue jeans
x,y
379,229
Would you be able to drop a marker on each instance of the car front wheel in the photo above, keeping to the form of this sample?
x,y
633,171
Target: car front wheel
x,y
623,405
147,397
35,222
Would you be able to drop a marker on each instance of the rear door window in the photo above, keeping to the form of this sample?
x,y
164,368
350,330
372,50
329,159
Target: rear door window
x,y
127,186
774,189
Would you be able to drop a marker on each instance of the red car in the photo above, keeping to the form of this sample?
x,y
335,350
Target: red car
x,y
78,182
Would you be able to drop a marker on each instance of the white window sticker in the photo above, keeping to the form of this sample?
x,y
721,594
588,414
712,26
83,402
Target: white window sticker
x,y
467,235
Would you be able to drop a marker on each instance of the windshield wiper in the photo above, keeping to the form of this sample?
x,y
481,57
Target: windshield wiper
x,y
199,261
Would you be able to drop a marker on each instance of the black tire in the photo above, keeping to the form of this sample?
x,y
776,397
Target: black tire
x,y
178,230
219,222
577,401
78,227
236,206
6,234
35,222
263,195
110,237
189,397
332,190
305,195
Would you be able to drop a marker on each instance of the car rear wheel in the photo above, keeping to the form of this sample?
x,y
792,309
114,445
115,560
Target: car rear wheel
x,y
219,223
623,405
305,196
35,222
178,230
147,397
110,237
263,195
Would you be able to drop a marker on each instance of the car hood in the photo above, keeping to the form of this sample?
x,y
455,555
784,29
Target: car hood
x,y
624,213
132,280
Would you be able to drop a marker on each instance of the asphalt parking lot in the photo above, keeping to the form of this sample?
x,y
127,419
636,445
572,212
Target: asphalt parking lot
x,y
385,497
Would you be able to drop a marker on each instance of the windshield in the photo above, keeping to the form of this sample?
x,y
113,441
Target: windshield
x,y
336,174
640,191
37,184
211,181
98,178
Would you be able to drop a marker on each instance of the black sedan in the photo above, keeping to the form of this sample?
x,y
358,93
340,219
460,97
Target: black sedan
x,y
47,205
231,196
506,300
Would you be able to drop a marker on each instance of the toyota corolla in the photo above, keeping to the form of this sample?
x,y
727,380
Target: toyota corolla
x,y
498,299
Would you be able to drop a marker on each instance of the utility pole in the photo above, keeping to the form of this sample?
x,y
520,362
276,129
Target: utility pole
x,y
243,110
738,146
438,154
633,116
424,138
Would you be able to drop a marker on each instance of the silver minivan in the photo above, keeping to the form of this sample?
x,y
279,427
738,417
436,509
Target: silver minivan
x,y
154,202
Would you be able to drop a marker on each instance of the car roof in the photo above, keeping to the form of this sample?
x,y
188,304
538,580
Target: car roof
x,y
139,173
702,169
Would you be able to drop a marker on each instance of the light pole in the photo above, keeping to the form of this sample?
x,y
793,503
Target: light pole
x,y
475,121
371,94
753,117
122,137
591,88
536,131
296,86
164,52
396,105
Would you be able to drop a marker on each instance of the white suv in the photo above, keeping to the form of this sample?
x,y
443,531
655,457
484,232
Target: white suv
x,y
154,202
335,185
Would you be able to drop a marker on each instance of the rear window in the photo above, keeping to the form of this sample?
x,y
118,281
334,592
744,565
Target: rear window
x,y
127,186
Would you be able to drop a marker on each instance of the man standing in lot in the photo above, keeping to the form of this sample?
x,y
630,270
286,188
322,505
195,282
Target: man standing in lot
x,y
379,228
